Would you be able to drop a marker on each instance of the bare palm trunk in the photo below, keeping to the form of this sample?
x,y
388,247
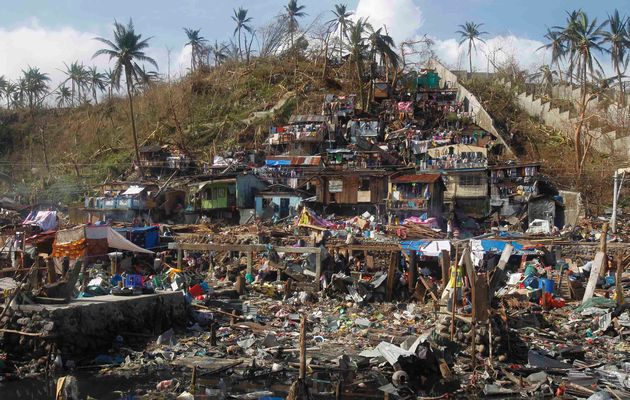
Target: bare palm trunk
x,y
240,52
133,123
44,148
470,57
578,131
622,96
324,68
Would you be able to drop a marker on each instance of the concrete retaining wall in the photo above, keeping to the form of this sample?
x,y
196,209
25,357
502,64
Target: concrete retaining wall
x,y
88,326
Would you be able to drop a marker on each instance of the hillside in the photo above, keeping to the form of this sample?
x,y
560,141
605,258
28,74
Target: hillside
x,y
56,154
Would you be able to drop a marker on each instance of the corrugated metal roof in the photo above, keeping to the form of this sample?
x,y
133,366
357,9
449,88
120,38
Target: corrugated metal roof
x,y
418,178
296,119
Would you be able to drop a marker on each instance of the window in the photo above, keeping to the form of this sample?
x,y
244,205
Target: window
x,y
365,184
470,180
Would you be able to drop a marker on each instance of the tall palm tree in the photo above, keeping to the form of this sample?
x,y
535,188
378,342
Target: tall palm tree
x,y
383,45
618,44
340,23
127,49
569,49
196,43
584,38
242,20
557,46
97,81
359,52
77,75
35,85
292,12
63,96
470,33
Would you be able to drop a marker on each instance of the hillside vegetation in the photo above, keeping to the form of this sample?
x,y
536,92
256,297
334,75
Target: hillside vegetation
x,y
53,155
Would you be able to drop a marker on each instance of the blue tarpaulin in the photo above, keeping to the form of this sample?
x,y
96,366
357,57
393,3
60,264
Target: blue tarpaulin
x,y
275,163
497,246
147,237
413,244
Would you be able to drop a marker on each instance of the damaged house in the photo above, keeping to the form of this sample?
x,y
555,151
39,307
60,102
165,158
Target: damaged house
x,y
415,195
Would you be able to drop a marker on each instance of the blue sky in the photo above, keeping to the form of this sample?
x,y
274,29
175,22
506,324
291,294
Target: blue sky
x,y
48,32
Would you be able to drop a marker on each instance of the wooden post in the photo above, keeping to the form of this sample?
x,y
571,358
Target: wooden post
x,y
179,258
445,261
454,300
240,283
52,274
193,381
114,266
287,288
602,248
391,274
618,286
249,262
35,283
303,349
213,334
413,271
318,268
473,283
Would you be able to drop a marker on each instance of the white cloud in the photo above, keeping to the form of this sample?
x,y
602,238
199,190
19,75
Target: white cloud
x,y
401,17
48,48
498,49
32,44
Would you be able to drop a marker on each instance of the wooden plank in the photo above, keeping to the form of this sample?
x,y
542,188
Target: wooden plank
x,y
428,288
592,279
391,274
445,262
413,271
241,248
602,248
505,256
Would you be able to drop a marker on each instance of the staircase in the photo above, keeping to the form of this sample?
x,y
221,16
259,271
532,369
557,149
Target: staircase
x,y
607,139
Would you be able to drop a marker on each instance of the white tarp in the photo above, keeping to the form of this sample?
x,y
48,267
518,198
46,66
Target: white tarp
x,y
133,190
114,239
46,220
434,249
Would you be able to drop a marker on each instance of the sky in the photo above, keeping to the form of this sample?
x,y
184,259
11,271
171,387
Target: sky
x,y
47,33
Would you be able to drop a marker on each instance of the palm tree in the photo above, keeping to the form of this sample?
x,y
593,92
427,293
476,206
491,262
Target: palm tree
x,y
127,49
3,85
571,23
619,43
9,91
470,33
64,96
35,85
292,12
358,52
557,46
218,53
196,43
545,77
96,81
241,19
383,45
584,38
77,75
112,84
340,23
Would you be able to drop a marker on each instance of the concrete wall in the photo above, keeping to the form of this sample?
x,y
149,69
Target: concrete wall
x,y
607,142
88,326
